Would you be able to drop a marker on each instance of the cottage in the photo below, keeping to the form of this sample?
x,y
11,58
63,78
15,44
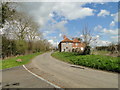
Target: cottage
x,y
67,45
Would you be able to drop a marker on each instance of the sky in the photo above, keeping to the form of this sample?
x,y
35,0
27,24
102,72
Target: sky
x,y
69,18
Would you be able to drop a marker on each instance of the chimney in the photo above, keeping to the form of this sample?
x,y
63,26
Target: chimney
x,y
64,37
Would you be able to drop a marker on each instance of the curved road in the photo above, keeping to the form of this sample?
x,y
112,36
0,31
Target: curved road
x,y
18,77
66,75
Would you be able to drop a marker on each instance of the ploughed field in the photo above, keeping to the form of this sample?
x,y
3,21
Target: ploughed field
x,y
101,62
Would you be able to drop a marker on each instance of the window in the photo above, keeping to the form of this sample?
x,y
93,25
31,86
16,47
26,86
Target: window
x,y
76,44
82,48
66,47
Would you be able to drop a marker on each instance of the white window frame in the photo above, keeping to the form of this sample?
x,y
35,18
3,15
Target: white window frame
x,y
76,44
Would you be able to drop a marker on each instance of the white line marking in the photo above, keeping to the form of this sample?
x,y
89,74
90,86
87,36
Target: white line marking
x,y
42,78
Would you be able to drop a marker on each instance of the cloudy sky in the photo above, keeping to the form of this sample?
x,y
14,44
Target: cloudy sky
x,y
58,19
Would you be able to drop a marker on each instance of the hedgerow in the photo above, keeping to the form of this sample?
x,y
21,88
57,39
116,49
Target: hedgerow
x,y
107,63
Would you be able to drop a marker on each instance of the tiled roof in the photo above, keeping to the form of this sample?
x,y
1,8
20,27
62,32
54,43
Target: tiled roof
x,y
66,40
76,40
79,45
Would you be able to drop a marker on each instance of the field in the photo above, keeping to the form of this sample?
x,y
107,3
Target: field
x,y
100,52
102,62
11,62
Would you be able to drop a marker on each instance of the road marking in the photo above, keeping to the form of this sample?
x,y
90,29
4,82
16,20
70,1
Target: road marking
x,y
42,78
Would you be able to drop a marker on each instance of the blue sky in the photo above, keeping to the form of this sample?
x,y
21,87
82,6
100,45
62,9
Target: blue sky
x,y
58,19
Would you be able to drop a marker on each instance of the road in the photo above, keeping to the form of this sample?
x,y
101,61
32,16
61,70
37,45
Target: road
x,y
66,75
18,77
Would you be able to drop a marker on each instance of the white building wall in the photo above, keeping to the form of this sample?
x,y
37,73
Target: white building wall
x,y
66,47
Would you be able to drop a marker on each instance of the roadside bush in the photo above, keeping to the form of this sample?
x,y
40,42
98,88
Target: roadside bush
x,y
87,50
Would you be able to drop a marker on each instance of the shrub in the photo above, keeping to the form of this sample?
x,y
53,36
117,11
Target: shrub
x,y
87,50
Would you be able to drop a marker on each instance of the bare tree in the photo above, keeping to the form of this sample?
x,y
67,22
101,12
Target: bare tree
x,y
22,27
7,11
87,36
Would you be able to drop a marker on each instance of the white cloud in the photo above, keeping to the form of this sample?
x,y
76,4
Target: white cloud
x,y
97,36
53,42
60,35
106,31
103,13
96,41
115,16
112,23
98,28
110,34
60,26
51,15
102,43
73,11
81,35
42,12
110,31
45,33
55,27
115,38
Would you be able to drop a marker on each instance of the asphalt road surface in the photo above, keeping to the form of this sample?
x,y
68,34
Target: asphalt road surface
x,y
18,77
67,75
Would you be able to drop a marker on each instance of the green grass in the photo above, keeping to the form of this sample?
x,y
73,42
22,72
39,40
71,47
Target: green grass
x,y
107,63
11,62
100,52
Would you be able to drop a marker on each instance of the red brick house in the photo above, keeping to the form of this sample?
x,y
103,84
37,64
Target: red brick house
x,y
67,45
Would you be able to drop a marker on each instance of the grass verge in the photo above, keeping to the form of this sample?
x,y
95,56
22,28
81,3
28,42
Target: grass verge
x,y
101,62
11,62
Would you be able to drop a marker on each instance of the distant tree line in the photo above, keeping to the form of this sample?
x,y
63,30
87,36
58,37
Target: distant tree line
x,y
113,48
20,33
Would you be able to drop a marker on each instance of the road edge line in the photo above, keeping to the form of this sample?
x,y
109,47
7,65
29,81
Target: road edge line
x,y
41,78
